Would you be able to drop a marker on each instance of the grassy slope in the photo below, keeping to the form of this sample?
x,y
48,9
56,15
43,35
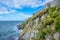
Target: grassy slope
x,y
52,20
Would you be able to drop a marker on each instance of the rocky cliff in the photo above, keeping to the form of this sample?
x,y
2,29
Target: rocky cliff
x,y
44,25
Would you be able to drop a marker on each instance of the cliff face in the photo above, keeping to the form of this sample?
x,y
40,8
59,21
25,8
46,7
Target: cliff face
x,y
44,25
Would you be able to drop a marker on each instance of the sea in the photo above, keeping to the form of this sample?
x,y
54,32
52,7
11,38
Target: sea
x,y
9,30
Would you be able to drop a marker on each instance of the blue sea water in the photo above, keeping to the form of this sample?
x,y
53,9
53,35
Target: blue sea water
x,y
8,30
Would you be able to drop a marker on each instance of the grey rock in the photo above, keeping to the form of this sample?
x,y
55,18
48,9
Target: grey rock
x,y
57,36
48,37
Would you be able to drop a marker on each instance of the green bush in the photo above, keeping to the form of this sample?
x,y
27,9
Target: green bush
x,y
52,9
48,31
49,21
54,14
42,35
57,23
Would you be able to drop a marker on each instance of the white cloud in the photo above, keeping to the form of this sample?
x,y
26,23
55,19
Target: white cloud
x,y
3,11
22,16
19,17
10,4
21,3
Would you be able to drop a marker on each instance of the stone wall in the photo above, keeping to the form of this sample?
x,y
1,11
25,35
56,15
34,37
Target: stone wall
x,y
52,3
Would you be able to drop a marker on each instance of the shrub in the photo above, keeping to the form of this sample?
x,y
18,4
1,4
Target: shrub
x,y
42,35
54,14
48,31
49,21
57,23
52,9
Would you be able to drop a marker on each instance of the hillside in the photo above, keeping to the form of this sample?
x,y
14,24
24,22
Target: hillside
x,y
44,25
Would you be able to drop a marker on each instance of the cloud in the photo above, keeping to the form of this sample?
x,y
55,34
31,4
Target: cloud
x,y
5,11
20,3
9,7
17,17
23,15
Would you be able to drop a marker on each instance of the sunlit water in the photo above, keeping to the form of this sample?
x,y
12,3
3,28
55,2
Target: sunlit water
x,y
8,30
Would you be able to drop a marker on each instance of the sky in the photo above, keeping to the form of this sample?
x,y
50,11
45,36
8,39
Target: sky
x,y
19,10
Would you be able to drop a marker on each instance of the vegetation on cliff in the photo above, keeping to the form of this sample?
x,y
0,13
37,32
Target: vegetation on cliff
x,y
49,25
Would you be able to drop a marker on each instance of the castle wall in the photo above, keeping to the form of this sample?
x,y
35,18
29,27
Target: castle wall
x,y
47,5
52,3
58,1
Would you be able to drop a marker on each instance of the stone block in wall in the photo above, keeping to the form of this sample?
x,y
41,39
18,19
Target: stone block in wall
x,y
57,36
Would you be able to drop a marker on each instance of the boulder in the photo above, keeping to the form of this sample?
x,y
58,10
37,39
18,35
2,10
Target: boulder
x,y
48,37
57,36
20,26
